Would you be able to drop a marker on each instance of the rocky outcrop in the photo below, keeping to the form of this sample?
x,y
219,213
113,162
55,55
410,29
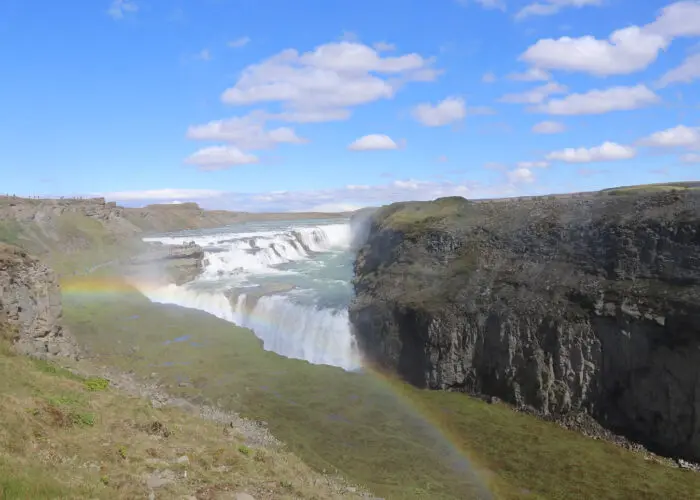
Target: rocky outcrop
x,y
580,305
30,301
177,264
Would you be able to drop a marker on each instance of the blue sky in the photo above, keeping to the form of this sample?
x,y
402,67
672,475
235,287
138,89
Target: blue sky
x,y
318,104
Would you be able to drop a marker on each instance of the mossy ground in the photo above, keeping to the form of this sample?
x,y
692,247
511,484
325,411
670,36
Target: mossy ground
x,y
651,188
398,441
415,217
63,436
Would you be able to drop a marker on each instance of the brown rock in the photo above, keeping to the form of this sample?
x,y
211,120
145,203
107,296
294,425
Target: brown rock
x,y
30,300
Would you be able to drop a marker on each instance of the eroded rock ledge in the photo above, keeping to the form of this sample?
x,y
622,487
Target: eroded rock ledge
x,y
587,304
176,264
30,301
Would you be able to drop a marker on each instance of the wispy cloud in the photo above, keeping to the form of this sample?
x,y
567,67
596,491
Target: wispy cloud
x,y
608,151
239,42
551,7
449,110
511,183
120,8
203,55
486,4
373,142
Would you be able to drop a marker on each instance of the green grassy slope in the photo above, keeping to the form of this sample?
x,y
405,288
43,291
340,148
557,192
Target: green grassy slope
x,y
397,440
63,436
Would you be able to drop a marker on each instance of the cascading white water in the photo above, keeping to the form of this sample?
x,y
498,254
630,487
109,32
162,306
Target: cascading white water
x,y
306,318
320,336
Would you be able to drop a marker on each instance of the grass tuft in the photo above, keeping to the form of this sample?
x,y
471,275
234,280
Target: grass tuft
x,y
96,384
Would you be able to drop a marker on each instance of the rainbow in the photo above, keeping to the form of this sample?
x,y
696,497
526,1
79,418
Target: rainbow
x,y
428,419
91,286
431,422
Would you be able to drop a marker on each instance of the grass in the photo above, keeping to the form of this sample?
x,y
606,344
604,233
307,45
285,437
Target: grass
x,y
415,216
10,232
61,439
649,189
400,442
70,242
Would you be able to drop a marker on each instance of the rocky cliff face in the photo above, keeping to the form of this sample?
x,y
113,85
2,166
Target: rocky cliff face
x,y
30,301
588,304
177,264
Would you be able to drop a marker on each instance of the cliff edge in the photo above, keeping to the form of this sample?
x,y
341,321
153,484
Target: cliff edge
x,y
586,304
30,302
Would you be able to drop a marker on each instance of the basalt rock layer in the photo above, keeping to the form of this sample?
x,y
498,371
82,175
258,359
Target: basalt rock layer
x,y
30,303
562,305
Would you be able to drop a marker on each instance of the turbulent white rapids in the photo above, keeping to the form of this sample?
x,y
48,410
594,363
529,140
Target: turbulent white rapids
x,y
288,282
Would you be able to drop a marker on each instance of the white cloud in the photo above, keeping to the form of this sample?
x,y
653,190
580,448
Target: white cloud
x,y
239,42
521,175
161,194
384,46
677,19
488,78
398,190
373,142
550,7
246,132
597,102
548,127
536,95
449,110
327,81
608,151
515,183
679,136
311,115
333,207
625,51
688,71
531,75
220,158
533,164
690,158
119,8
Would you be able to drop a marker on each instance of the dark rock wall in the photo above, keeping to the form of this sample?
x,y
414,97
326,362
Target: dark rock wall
x,y
561,305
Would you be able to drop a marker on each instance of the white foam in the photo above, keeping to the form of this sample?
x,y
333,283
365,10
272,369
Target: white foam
x,y
320,336
232,254
292,330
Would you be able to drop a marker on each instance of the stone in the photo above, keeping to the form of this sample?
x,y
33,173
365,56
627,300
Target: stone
x,y
158,479
228,495
243,496
30,302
